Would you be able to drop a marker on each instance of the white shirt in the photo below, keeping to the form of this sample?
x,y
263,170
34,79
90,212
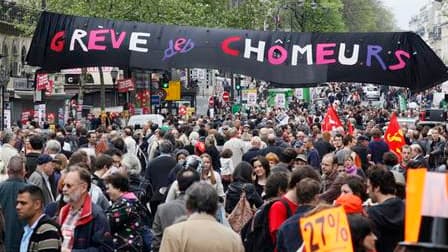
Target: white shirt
x,y
131,145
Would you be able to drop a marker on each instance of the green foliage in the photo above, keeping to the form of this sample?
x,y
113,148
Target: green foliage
x,y
297,16
384,19
22,17
326,17
367,16
204,13
286,15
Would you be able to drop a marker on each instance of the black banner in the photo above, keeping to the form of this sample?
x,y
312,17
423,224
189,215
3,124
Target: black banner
x,y
291,59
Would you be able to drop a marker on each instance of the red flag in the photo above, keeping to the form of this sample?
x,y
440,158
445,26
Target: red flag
x,y
394,136
331,120
350,128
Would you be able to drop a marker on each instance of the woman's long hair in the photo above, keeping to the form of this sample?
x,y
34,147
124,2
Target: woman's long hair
x,y
212,173
264,162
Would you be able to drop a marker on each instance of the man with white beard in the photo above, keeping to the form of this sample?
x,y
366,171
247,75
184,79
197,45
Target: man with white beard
x,y
83,223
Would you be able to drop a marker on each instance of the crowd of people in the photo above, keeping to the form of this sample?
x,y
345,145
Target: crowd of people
x,y
186,185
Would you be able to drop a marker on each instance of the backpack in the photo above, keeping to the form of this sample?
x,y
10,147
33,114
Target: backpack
x,y
145,231
143,191
255,234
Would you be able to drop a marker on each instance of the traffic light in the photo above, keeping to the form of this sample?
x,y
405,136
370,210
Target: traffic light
x,y
238,83
165,80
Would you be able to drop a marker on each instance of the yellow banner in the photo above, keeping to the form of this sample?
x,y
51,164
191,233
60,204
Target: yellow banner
x,y
327,230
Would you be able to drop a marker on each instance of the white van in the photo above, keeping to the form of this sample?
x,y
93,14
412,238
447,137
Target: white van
x,y
372,92
142,119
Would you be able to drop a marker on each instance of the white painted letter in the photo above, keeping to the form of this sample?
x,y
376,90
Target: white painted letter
x,y
136,39
78,34
348,61
258,50
308,49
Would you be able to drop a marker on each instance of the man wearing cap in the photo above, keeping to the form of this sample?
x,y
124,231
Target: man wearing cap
x,y
299,161
40,177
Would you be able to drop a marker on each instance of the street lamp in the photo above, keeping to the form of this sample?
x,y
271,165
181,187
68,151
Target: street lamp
x,y
114,75
4,79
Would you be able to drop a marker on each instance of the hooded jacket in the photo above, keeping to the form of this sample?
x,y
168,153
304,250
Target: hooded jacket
x,y
388,218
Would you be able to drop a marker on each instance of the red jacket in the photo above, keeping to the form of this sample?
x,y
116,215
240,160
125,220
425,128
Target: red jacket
x,y
92,231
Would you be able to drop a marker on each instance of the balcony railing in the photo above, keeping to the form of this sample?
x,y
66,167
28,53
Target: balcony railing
x,y
23,84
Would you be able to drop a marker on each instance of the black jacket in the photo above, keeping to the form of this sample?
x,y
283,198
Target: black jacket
x,y
233,195
31,163
157,173
323,147
271,148
436,154
388,218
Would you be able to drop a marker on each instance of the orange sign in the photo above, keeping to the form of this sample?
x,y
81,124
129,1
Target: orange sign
x,y
327,230
426,195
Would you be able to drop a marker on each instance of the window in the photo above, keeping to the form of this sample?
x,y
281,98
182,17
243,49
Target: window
x,y
15,53
23,55
5,49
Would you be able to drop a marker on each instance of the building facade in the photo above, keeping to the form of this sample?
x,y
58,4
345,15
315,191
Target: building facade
x,y
431,23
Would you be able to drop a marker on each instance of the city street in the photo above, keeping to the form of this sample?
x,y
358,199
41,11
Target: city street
x,y
224,126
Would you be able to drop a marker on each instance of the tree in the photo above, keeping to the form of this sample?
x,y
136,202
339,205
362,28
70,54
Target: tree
x,y
306,16
384,19
205,13
367,16
359,15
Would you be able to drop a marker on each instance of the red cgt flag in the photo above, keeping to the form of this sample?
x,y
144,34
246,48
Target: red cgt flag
x,y
331,120
350,128
394,136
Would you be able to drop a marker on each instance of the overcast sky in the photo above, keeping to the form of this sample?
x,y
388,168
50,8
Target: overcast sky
x,y
404,10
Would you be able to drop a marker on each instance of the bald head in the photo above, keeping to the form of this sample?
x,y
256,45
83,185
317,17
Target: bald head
x,y
271,139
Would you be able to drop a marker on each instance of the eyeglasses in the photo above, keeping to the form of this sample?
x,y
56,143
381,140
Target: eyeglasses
x,y
70,186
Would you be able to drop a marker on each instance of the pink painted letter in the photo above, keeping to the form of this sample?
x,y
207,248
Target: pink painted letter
x,y
321,53
401,64
277,61
116,43
97,36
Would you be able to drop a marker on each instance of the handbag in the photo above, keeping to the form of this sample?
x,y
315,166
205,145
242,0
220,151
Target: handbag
x,y
241,214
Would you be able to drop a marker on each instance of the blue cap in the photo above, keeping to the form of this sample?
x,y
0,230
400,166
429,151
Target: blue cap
x,y
43,159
